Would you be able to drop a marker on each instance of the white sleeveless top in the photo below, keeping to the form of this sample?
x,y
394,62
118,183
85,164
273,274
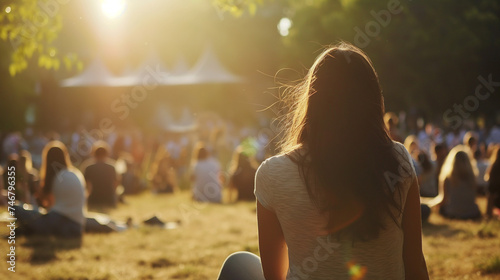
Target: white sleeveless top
x,y
311,253
69,195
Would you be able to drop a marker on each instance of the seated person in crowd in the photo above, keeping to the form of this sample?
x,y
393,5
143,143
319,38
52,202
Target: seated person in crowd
x,y
243,175
411,145
482,166
101,177
493,178
163,175
3,190
391,123
62,193
427,177
440,153
457,186
28,178
206,176
131,181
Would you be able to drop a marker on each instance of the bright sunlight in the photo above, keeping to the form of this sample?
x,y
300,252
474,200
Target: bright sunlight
x,y
113,8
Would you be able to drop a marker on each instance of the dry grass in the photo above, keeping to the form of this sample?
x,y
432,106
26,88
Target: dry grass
x,y
209,233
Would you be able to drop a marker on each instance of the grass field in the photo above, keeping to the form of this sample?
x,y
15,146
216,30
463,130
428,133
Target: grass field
x,y
209,233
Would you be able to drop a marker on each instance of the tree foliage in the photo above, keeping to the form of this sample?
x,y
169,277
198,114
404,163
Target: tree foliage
x,y
237,7
428,53
30,27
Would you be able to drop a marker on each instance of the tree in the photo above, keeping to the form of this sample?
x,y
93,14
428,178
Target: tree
x,y
30,27
428,54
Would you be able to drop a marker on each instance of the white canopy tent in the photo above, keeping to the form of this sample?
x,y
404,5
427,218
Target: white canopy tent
x,y
96,74
152,63
181,67
208,70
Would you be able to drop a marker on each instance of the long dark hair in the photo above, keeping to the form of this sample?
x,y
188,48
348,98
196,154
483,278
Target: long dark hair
x,y
336,134
55,157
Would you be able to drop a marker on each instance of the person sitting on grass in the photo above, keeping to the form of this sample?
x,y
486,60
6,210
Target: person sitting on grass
x,y
242,176
3,192
28,177
427,177
493,178
163,175
101,177
341,201
391,123
457,186
206,176
62,193
440,153
131,180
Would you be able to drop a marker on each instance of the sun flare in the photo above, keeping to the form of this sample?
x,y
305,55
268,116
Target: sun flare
x,y
113,8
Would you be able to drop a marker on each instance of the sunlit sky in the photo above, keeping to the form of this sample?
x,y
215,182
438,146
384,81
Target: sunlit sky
x,y
113,8
123,34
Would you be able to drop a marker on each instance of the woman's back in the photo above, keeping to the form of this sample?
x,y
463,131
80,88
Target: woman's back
x,y
428,182
69,195
312,252
207,185
243,180
460,200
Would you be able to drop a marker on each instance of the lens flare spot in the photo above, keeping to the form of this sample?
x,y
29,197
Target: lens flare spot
x,y
356,271
284,26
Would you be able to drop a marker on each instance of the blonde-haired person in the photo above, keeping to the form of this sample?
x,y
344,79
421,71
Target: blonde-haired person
x,y
457,186
391,123
412,146
471,140
62,193
163,175
342,199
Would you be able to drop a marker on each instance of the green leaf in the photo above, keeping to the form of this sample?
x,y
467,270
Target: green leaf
x,y
12,69
79,65
252,8
56,63
67,62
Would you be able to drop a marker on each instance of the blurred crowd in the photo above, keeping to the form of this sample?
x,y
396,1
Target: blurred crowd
x,y
65,173
453,167
161,162
71,170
